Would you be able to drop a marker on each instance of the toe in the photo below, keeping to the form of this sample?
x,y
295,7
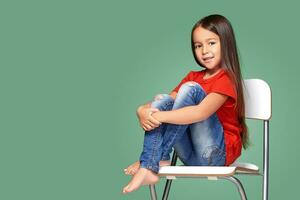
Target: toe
x,y
126,189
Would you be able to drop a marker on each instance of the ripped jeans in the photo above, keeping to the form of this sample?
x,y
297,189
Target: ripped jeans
x,y
197,144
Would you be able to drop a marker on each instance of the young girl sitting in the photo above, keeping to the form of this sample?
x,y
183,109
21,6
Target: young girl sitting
x,y
203,117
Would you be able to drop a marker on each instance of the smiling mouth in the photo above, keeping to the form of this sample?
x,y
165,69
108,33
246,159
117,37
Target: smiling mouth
x,y
207,59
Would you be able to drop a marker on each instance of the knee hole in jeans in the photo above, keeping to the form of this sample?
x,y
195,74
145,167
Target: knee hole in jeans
x,y
213,154
191,83
160,96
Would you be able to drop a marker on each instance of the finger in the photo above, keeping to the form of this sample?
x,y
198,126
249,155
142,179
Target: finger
x,y
149,123
142,126
154,121
148,128
126,172
132,172
152,126
145,128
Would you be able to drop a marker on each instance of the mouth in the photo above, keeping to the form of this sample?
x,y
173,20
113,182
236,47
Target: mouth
x,y
208,59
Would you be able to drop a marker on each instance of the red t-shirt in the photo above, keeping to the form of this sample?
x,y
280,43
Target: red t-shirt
x,y
227,114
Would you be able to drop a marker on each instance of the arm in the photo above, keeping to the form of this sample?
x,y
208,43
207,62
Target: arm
x,y
144,114
147,122
191,114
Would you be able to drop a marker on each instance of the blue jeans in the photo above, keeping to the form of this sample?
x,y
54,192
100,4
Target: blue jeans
x,y
197,144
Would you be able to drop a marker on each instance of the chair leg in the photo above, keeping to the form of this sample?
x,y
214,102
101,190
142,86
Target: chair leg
x,y
167,190
239,186
266,161
169,182
153,192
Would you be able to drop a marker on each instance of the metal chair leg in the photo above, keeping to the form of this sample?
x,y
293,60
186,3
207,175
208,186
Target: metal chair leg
x,y
153,192
169,182
230,178
266,161
167,189
239,186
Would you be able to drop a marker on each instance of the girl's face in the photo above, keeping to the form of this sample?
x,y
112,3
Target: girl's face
x,y
207,48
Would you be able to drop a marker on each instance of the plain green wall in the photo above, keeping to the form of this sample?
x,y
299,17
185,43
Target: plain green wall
x,y
73,73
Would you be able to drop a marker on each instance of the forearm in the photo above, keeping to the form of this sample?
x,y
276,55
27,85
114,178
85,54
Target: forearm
x,y
186,115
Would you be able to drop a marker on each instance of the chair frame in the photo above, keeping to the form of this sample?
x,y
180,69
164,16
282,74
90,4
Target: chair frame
x,y
231,178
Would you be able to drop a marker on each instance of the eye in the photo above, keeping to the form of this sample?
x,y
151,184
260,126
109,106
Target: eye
x,y
211,43
196,46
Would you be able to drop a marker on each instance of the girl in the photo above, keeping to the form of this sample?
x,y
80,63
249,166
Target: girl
x,y
203,117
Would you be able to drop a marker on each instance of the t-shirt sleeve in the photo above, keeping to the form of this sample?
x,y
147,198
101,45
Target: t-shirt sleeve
x,y
224,86
187,78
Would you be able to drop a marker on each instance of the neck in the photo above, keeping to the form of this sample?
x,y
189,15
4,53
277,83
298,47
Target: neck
x,y
211,72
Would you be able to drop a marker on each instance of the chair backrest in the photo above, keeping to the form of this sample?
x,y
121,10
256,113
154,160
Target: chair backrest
x,y
257,95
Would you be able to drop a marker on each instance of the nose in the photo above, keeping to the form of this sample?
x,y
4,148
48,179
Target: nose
x,y
204,49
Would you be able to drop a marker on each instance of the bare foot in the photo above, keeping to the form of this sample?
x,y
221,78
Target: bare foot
x,y
133,168
142,177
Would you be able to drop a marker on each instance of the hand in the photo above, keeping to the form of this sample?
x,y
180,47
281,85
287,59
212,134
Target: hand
x,y
147,122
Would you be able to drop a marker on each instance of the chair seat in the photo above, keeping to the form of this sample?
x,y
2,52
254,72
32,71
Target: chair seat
x,y
192,171
245,167
208,171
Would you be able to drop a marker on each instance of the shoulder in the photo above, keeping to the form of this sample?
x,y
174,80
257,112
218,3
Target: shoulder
x,y
224,78
223,84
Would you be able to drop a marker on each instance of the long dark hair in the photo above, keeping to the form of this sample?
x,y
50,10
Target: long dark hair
x,y
219,25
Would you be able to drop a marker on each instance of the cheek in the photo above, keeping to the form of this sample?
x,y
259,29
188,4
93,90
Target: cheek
x,y
198,55
218,58
217,53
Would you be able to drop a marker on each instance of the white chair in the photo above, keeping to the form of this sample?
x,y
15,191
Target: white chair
x,y
257,95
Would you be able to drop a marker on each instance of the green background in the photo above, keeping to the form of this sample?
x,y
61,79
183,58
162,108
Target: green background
x,y
73,73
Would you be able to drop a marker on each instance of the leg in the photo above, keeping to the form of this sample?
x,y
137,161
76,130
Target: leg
x,y
153,140
158,143
203,144
152,150
184,147
190,93
207,142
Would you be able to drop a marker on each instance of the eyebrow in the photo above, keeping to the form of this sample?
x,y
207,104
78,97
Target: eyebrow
x,y
206,40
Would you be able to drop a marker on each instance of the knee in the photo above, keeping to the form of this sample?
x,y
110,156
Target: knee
x,y
189,87
191,83
160,97
213,155
162,102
